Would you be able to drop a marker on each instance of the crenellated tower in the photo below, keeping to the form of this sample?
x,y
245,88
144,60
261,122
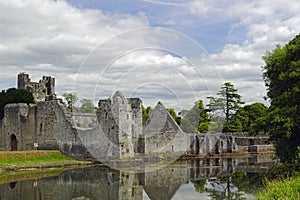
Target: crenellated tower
x,y
44,90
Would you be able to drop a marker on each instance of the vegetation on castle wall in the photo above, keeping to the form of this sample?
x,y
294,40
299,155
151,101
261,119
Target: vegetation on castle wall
x,y
14,95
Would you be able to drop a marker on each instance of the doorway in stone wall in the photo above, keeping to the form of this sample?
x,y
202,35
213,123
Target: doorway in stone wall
x,y
13,143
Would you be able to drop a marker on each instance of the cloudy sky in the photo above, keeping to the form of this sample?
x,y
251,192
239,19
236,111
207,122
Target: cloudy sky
x,y
176,51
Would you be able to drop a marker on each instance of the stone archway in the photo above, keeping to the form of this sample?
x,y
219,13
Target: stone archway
x,y
13,142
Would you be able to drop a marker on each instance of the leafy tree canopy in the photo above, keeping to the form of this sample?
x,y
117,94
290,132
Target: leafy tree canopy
x,y
87,106
195,119
174,115
146,113
14,95
252,118
71,99
227,104
282,79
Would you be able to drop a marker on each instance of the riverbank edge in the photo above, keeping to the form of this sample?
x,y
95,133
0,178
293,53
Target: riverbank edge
x,y
288,188
131,162
57,162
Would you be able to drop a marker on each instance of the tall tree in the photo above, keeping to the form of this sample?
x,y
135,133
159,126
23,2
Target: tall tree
x,y
228,102
71,99
282,79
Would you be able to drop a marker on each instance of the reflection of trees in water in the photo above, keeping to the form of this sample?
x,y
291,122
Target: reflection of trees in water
x,y
131,184
248,182
199,185
230,187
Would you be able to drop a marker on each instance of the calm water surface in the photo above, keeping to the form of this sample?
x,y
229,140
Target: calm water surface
x,y
229,178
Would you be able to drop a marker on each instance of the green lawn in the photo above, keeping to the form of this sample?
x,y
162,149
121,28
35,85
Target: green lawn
x,y
23,165
24,159
287,189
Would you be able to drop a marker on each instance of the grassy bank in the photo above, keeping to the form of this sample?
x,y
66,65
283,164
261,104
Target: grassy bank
x,y
11,161
288,189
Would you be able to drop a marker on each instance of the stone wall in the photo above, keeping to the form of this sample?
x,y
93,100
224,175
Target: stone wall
x,y
44,90
162,134
19,121
121,121
84,120
115,132
48,125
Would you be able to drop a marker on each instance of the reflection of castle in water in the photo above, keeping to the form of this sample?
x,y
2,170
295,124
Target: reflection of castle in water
x,y
105,183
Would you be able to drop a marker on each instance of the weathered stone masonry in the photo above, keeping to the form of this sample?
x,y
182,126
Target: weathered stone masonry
x,y
44,90
47,124
115,132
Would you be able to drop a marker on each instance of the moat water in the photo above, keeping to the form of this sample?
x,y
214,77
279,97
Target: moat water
x,y
214,178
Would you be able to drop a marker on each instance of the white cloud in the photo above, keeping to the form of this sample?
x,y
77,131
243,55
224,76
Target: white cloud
x,y
45,37
266,24
200,7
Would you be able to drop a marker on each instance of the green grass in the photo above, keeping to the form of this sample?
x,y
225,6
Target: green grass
x,y
287,189
25,165
23,159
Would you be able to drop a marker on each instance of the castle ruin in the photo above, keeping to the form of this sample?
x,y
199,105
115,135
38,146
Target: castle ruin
x,y
115,132
44,90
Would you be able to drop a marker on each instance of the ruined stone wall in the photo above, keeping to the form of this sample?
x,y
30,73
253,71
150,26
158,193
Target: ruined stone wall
x,y
250,140
84,120
218,143
18,127
162,134
137,127
123,113
33,123
116,132
48,124
44,90
107,121
120,119
109,128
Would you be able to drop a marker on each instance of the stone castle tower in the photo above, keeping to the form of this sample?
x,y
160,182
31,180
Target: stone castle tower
x,y
121,121
44,90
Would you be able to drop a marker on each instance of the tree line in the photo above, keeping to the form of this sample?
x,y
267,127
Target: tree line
x,y
226,112
281,120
